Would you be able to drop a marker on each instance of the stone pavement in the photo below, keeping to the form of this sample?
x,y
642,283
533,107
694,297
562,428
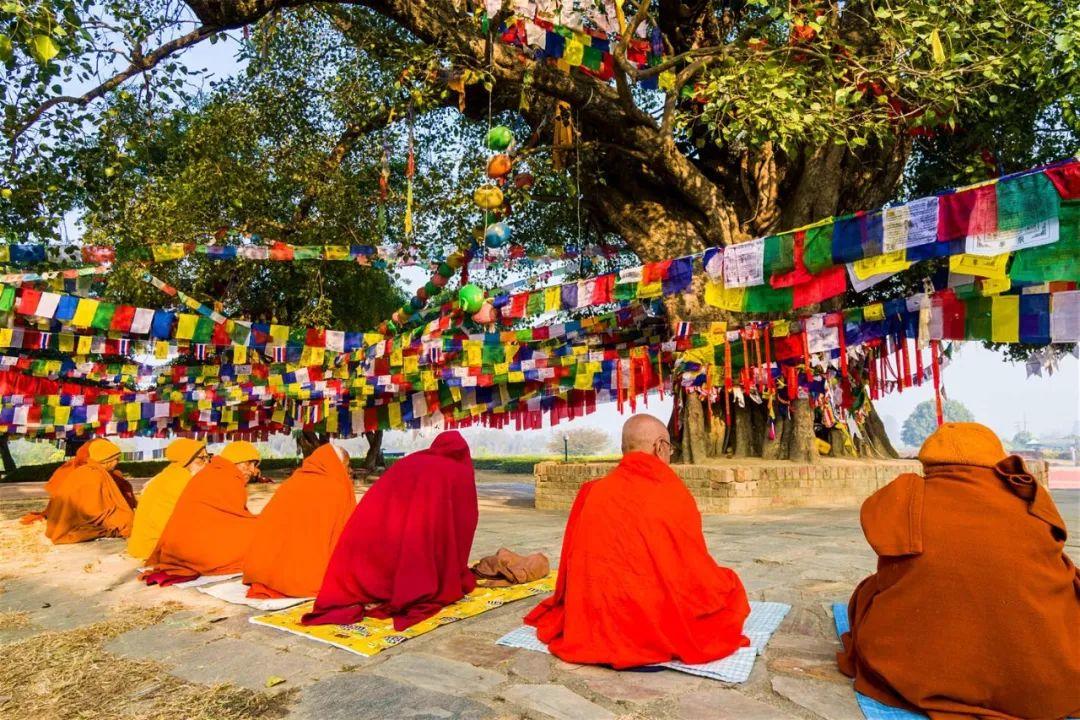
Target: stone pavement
x,y
806,557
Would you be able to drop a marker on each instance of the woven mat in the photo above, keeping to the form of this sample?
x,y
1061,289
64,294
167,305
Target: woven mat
x,y
371,636
764,618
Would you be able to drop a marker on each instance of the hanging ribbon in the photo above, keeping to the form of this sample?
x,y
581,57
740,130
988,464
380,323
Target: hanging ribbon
x,y
935,364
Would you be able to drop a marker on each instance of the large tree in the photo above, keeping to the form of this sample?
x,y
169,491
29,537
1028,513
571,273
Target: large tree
x,y
777,113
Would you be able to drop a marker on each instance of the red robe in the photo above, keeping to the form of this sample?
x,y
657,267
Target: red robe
x,y
637,585
405,550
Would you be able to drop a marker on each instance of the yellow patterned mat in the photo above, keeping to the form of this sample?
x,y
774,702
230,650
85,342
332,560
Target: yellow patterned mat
x,y
371,636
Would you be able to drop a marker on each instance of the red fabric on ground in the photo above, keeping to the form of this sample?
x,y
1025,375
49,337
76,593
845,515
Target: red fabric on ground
x,y
637,585
405,549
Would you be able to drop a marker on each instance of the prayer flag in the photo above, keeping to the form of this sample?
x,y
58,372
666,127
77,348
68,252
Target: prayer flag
x,y
84,312
1005,319
1065,317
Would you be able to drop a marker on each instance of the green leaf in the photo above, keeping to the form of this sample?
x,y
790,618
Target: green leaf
x,y
936,48
5,48
43,48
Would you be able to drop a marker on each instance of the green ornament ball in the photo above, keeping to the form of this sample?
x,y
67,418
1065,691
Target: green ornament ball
x,y
499,138
470,298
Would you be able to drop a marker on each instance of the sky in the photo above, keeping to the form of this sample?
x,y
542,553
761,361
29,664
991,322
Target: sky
x,y
998,393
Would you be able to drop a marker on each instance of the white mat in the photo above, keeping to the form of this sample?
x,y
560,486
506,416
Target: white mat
x,y
205,580
235,592
764,618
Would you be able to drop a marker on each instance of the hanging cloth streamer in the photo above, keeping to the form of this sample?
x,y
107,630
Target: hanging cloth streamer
x,y
935,365
562,135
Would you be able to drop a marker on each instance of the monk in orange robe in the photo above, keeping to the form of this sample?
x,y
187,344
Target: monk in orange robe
x,y
210,529
636,583
87,503
56,480
974,611
300,526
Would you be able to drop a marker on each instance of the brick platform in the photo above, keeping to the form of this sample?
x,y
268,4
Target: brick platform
x,y
730,487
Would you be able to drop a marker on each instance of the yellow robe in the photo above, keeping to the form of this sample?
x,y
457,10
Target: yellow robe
x,y
156,506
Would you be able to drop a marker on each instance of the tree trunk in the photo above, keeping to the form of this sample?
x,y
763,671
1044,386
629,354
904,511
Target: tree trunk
x,y
309,441
374,458
875,441
803,445
5,455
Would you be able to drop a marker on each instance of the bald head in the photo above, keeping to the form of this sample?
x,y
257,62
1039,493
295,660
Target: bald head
x,y
640,434
343,456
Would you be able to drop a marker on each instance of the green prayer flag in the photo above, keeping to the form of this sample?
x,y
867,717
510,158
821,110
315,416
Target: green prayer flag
x,y
307,252
7,299
593,59
1057,261
853,315
204,330
1026,201
978,318
817,250
535,304
779,254
625,291
103,316
766,299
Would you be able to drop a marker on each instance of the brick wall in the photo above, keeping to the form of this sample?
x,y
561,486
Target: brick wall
x,y
731,487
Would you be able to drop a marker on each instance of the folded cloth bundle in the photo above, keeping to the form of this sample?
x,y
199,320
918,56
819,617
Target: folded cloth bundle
x,y
165,579
506,568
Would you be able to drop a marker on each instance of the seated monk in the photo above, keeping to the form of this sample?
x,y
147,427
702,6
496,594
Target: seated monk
x,y
56,480
300,526
87,503
636,583
974,611
186,457
404,553
210,530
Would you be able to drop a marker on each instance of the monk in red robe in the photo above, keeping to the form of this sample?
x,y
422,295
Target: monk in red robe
x,y
974,611
404,553
210,529
300,526
636,583
87,503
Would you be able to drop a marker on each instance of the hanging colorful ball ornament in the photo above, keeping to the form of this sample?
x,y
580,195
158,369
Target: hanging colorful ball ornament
x,y
524,181
456,260
488,197
499,138
423,294
416,303
497,235
430,288
498,166
439,281
485,315
470,298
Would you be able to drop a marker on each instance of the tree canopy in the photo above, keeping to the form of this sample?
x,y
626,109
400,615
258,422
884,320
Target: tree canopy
x,y
922,422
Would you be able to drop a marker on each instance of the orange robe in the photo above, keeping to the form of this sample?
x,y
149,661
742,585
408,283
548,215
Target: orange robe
x,y
975,608
87,504
637,585
210,529
297,530
56,480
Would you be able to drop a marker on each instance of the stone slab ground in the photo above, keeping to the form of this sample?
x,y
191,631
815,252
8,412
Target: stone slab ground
x,y
808,557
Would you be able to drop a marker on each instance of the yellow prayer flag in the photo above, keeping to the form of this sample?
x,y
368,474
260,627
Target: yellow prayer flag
x,y
1005,318
133,411
573,52
552,299
396,357
5,337
874,312
337,252
725,298
185,326
161,349
979,265
279,334
891,262
66,343
395,414
331,417
5,254
473,353
318,356
86,343
994,286
516,376
167,251
583,380
239,354
780,328
62,415
412,364
84,312
650,290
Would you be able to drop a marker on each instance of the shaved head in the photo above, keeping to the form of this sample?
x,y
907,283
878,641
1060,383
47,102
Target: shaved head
x,y
343,456
641,433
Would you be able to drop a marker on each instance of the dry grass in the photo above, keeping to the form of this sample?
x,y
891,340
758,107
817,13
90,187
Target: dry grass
x,y
19,542
13,509
13,620
68,675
